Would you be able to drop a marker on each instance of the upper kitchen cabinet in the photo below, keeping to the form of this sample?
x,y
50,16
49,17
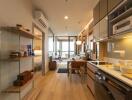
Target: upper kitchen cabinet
x,y
112,4
103,28
96,13
103,8
96,32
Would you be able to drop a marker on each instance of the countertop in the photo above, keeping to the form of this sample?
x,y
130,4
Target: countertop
x,y
116,74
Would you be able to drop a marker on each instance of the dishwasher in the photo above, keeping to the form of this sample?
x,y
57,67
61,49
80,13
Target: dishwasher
x,y
109,88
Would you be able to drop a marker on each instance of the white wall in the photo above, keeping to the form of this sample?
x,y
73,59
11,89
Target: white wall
x,y
14,12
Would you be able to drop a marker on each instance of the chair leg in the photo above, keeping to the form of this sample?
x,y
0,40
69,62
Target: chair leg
x,y
82,74
70,74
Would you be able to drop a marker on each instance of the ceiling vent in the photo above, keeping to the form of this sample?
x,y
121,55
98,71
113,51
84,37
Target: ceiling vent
x,y
41,19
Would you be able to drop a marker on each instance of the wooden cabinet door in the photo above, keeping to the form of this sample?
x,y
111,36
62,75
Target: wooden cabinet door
x,y
96,14
104,28
90,83
112,4
91,67
103,8
96,32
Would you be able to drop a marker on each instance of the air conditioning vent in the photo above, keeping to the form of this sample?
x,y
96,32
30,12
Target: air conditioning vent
x,y
42,23
41,19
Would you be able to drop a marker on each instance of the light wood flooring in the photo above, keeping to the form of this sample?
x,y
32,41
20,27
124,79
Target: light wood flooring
x,y
55,86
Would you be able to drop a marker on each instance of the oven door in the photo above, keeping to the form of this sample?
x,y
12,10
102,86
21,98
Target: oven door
x,y
101,91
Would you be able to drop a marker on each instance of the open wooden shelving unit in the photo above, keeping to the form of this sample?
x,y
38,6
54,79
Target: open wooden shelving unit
x,y
16,89
18,33
18,58
21,32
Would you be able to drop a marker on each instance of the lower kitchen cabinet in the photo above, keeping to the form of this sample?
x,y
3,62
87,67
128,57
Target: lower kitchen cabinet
x,y
91,77
91,84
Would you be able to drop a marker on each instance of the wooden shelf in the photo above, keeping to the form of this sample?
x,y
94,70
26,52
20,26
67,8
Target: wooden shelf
x,y
17,89
19,31
122,16
17,59
38,38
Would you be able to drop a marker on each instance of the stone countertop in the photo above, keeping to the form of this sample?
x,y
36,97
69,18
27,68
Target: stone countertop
x,y
116,74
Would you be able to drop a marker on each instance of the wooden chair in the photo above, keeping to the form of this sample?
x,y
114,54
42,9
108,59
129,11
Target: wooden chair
x,y
79,66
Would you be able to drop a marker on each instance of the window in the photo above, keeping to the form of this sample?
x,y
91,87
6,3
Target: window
x,y
50,44
65,46
72,46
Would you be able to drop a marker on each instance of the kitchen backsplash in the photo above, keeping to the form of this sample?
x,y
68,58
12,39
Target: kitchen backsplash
x,y
120,49
114,60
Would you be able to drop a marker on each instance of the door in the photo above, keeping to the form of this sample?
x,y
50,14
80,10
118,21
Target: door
x,y
104,28
103,8
96,32
96,14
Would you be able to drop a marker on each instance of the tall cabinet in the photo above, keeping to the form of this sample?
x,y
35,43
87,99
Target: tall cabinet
x,y
13,39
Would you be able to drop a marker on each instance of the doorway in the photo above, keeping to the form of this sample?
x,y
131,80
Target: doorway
x,y
38,47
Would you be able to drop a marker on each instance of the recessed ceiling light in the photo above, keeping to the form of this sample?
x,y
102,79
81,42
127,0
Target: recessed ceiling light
x,y
66,17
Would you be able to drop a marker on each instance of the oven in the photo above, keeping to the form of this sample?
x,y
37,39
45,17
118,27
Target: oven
x,y
108,89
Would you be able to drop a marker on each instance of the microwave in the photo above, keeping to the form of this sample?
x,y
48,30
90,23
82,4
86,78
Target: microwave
x,y
123,25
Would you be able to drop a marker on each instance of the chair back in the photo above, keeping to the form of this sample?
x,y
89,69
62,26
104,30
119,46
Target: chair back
x,y
78,64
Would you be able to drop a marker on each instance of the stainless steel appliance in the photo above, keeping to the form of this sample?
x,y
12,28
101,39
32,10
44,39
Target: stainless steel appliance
x,y
123,25
108,88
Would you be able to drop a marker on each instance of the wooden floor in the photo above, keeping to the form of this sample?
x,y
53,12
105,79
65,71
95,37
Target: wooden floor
x,y
55,86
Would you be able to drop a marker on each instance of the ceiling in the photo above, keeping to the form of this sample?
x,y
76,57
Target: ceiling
x,y
78,11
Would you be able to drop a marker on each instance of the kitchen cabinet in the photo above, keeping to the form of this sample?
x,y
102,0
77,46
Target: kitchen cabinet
x,y
96,13
96,32
91,84
91,77
103,28
112,4
103,8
